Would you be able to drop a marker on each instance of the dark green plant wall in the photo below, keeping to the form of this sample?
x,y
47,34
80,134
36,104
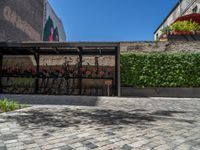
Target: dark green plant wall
x,y
160,69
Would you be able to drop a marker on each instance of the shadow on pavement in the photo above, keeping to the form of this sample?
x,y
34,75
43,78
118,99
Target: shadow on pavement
x,y
167,113
68,117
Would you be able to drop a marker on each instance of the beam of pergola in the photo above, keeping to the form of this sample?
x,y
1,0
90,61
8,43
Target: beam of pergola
x,y
44,48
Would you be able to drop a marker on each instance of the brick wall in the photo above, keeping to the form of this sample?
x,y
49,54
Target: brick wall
x,y
21,20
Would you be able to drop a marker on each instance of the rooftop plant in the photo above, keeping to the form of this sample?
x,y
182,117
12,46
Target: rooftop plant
x,y
166,30
185,26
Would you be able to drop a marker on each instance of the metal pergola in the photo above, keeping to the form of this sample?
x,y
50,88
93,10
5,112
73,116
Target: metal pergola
x,y
79,49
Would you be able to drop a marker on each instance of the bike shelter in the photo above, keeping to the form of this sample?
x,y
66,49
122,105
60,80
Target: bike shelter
x,y
88,68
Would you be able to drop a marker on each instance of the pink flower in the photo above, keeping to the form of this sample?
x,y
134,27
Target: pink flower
x,y
101,73
88,72
75,72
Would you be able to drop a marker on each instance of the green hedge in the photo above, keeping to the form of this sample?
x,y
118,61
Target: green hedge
x,y
160,69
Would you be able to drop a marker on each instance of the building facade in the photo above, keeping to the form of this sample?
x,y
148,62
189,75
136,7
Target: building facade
x,y
21,20
25,20
28,20
53,27
183,7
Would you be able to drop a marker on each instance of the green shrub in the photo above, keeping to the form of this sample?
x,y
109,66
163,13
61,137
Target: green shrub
x,y
23,82
13,106
166,30
160,69
8,105
188,26
4,105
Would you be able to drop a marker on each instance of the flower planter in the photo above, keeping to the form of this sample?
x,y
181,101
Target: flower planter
x,y
193,37
197,32
164,36
161,92
182,33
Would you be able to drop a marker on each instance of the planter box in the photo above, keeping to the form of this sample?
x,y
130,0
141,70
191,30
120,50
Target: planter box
x,y
161,92
192,37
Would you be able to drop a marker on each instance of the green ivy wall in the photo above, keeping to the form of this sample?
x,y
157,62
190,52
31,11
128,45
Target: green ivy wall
x,y
179,69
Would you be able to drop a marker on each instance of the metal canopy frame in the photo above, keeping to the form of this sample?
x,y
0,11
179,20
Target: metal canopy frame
x,y
57,48
79,49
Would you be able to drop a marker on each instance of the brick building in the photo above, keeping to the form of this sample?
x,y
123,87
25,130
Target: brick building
x,y
21,20
25,20
28,20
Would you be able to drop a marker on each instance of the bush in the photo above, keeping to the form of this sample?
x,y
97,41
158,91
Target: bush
x,y
166,30
160,69
188,26
8,105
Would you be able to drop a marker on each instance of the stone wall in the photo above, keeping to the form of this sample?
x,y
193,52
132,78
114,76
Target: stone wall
x,y
159,46
21,20
60,60
128,47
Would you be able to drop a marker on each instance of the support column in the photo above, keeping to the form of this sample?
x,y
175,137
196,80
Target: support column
x,y
79,70
1,67
97,71
37,59
117,72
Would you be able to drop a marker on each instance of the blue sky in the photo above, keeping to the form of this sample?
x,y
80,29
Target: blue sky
x,y
111,20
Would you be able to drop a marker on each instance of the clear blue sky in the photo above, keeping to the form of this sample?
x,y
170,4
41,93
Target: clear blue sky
x,y
111,20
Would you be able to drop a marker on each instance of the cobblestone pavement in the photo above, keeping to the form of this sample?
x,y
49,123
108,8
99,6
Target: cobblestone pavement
x,y
114,123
